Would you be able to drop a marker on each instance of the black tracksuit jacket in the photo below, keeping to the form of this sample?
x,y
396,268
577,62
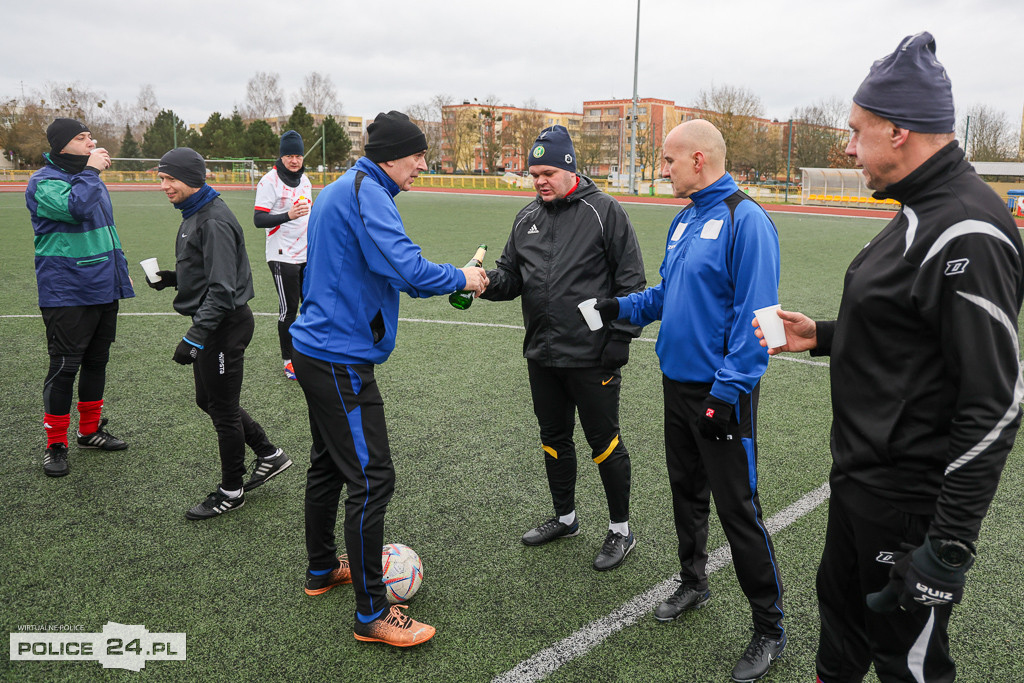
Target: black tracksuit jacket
x,y
925,366
212,266
559,254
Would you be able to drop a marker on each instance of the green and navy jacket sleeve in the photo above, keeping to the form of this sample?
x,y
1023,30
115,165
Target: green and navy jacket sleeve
x,y
78,255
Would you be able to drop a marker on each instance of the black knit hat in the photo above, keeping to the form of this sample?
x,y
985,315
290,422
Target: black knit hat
x,y
185,164
62,131
393,136
291,143
553,147
910,88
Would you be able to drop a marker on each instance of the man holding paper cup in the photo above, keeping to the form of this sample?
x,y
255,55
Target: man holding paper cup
x,y
721,264
213,280
571,243
82,274
926,381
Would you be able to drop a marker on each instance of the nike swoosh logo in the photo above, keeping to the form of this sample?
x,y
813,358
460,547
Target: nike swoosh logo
x,y
607,380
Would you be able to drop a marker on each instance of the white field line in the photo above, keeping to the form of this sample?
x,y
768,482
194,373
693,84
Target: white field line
x,y
438,322
549,660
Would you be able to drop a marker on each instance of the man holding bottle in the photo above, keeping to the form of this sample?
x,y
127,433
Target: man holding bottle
x,y
359,260
571,243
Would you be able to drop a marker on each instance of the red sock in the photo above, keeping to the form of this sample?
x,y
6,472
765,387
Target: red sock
x,y
56,427
89,416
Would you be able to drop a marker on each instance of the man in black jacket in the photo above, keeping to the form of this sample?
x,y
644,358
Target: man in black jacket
x,y
572,243
926,382
214,283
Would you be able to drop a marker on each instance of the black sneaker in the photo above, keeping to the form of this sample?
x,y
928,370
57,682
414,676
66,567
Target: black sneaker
x,y
614,550
551,530
101,439
55,462
761,653
215,504
685,598
267,468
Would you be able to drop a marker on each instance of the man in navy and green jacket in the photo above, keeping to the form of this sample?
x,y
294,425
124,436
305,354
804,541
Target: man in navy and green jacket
x,y
721,264
81,274
359,260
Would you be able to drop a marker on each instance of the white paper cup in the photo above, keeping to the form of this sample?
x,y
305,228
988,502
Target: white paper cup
x,y
771,325
591,315
149,265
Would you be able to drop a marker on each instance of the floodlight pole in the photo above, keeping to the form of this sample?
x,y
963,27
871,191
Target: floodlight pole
x,y
789,158
632,141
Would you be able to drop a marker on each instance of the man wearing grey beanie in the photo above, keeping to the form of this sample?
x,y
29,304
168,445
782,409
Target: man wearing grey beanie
x,y
925,383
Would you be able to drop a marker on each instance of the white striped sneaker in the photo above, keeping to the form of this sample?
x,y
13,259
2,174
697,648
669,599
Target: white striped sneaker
x,y
215,504
267,468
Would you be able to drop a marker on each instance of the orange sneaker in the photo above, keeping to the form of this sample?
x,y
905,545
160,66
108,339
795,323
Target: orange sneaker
x,y
316,585
394,628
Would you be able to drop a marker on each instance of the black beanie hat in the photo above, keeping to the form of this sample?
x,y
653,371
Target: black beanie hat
x,y
553,147
910,88
291,143
185,164
62,131
393,136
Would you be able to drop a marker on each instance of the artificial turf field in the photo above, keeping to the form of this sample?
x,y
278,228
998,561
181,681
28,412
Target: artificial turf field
x,y
110,542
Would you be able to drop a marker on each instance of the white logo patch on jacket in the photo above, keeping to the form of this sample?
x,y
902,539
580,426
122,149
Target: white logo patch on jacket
x,y
711,229
956,266
533,230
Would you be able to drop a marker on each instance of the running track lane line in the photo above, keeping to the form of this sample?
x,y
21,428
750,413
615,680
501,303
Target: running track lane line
x,y
549,660
436,322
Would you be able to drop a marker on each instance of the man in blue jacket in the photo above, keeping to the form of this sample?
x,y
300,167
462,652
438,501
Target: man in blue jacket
x,y
359,260
81,273
721,263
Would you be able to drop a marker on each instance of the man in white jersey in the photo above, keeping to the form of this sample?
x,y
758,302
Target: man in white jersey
x,y
283,198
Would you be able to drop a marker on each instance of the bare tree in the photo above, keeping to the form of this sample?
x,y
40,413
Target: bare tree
x,y
319,96
427,115
591,148
459,131
820,133
146,106
990,136
490,137
73,100
521,128
263,96
733,110
23,125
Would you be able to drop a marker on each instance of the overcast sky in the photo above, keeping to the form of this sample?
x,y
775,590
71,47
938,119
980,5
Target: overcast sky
x,y
198,56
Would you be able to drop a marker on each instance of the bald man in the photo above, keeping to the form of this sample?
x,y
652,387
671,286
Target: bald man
x,y
721,263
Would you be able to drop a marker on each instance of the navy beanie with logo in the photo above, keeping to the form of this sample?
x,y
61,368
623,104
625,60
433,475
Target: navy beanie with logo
x,y
291,143
910,88
553,147
185,164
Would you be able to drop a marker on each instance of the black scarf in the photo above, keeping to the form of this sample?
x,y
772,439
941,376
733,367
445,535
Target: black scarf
x,y
69,163
287,177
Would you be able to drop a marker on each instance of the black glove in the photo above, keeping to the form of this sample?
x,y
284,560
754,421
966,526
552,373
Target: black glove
x,y
609,310
921,578
714,423
168,278
615,354
186,353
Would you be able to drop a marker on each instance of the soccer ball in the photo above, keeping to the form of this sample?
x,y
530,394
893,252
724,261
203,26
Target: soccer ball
x,y
403,572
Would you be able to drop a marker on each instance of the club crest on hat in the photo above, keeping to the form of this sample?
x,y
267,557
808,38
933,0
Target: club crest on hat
x,y
568,158
538,151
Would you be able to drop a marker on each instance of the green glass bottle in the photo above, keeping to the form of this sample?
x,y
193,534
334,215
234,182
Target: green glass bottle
x,y
463,299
